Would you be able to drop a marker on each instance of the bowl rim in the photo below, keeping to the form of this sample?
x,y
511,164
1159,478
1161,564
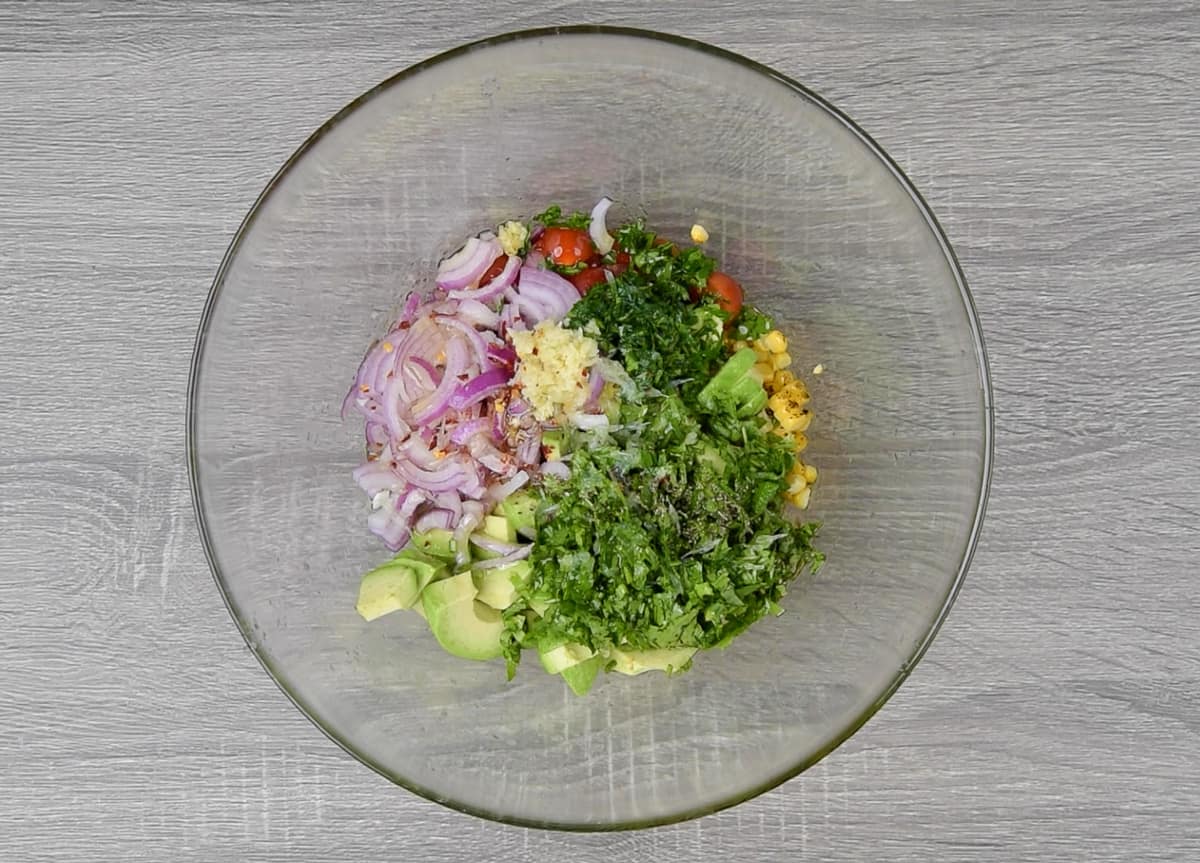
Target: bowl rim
x,y
985,382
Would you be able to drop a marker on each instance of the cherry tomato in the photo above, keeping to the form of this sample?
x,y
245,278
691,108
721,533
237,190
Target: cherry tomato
x,y
587,279
621,264
728,292
493,271
565,246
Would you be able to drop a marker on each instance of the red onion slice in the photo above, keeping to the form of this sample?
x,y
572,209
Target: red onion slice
x,y
466,266
478,388
495,287
522,551
598,230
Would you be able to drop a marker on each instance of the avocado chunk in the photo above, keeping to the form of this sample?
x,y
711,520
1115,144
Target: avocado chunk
x,y
498,586
582,675
521,510
463,625
668,659
498,527
554,444
395,585
563,656
436,542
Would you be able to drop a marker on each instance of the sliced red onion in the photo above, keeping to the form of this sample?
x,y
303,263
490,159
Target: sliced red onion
x,y
502,354
476,313
495,546
589,422
434,519
598,230
472,517
376,476
411,303
495,287
450,501
464,431
542,295
467,265
475,339
523,551
479,387
595,387
529,448
556,468
434,405
500,492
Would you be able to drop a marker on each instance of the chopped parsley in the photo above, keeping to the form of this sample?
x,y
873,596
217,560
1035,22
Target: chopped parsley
x,y
552,217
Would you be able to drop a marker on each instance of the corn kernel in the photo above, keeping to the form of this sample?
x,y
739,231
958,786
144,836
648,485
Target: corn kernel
x,y
801,440
803,420
803,497
819,369
781,360
797,485
782,378
763,371
739,345
810,474
699,234
774,341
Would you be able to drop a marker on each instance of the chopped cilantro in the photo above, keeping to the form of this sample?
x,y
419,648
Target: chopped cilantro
x,y
552,217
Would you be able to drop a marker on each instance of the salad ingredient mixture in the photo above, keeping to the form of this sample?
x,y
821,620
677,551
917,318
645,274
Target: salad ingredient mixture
x,y
586,444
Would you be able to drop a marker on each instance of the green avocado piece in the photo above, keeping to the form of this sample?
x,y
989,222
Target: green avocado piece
x,y
563,656
463,625
582,675
498,586
668,659
520,509
395,585
553,441
436,542
499,527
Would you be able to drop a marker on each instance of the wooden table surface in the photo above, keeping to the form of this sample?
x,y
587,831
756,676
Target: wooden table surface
x,y
1057,716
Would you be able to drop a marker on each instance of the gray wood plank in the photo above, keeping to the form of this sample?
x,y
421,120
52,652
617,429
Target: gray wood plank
x,y
1056,716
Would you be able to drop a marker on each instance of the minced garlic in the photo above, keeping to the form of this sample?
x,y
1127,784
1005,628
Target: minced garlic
x,y
512,236
552,370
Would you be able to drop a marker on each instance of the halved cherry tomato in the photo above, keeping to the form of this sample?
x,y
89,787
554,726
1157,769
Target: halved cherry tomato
x,y
727,291
565,246
621,263
587,279
494,270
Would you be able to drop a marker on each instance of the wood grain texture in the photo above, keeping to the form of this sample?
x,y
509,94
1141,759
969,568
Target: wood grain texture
x,y
1056,716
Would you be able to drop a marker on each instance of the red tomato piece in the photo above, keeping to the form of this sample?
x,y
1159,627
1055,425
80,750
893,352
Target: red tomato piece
x,y
494,270
587,279
727,292
565,246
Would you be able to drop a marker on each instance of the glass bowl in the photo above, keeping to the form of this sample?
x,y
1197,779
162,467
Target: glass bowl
x,y
824,231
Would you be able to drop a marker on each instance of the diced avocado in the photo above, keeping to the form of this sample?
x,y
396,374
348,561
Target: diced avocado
x,y
728,386
395,585
553,444
540,605
582,675
668,659
499,527
436,542
463,625
520,509
563,656
498,586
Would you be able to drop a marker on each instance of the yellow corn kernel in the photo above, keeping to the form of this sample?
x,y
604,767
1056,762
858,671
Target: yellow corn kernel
x,y
797,392
803,420
781,379
774,341
801,440
810,474
764,371
781,360
796,486
699,234
803,497
739,344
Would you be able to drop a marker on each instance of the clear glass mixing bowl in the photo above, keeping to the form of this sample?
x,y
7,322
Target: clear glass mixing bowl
x,y
825,232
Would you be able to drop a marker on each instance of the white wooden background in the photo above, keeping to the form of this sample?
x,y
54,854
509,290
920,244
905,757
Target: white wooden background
x,y
1057,716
